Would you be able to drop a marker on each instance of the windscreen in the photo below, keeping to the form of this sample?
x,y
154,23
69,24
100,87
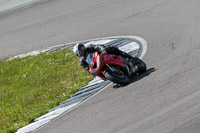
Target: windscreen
x,y
90,59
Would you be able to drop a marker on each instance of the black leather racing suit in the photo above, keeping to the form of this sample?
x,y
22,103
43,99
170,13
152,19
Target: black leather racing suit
x,y
101,49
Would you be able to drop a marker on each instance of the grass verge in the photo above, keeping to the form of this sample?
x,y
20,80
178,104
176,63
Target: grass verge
x,y
32,85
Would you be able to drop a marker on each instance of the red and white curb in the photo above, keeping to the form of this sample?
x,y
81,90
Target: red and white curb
x,y
133,45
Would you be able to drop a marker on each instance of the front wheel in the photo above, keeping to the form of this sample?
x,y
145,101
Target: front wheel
x,y
122,79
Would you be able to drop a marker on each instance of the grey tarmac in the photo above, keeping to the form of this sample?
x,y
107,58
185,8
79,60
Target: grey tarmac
x,y
165,99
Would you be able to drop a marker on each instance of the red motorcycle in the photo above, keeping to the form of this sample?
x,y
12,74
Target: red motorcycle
x,y
112,67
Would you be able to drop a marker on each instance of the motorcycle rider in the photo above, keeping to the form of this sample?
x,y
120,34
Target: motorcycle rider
x,y
81,51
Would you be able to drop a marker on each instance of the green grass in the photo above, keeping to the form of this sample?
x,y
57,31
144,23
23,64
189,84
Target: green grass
x,y
31,86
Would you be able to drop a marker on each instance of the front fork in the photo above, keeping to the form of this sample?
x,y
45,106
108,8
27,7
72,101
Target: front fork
x,y
114,71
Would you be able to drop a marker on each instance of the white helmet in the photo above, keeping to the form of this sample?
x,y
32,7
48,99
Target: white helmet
x,y
76,49
79,49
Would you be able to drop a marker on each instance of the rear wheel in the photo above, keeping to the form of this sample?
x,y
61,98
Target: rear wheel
x,y
119,79
141,66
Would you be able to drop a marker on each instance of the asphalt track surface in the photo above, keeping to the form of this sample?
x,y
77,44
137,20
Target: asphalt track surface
x,y
165,99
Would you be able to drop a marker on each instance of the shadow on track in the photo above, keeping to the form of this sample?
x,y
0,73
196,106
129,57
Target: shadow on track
x,y
137,77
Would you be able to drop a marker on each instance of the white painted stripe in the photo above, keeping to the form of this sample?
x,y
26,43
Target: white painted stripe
x,y
36,52
33,126
130,47
142,42
46,118
58,111
95,79
99,42
94,82
144,45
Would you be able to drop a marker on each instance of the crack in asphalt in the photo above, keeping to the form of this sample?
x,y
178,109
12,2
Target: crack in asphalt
x,y
144,11
172,45
149,10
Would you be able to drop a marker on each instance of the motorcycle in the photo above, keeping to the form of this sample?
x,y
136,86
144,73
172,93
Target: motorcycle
x,y
112,67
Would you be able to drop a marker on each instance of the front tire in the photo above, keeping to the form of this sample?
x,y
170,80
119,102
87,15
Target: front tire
x,y
124,81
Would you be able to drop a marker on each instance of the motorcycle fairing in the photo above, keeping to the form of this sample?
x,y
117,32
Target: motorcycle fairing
x,y
101,60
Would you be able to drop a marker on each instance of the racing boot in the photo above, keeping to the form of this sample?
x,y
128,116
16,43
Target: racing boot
x,y
133,69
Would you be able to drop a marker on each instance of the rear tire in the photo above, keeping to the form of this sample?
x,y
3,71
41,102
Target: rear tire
x,y
115,79
141,66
